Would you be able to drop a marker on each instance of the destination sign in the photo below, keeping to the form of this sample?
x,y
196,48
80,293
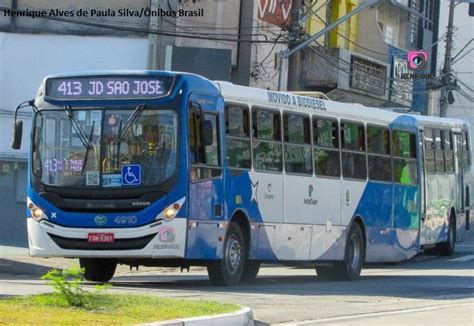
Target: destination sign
x,y
110,87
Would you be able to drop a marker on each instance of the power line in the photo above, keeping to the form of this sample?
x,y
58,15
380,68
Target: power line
x,y
156,32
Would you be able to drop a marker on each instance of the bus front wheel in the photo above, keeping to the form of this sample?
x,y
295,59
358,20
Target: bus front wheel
x,y
251,269
98,269
228,270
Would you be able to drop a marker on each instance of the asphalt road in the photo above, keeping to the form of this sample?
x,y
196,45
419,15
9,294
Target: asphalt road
x,y
428,290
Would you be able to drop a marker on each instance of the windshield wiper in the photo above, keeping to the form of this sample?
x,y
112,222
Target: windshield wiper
x,y
86,156
131,120
76,127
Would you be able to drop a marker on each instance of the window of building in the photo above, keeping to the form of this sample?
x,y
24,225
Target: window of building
x,y
237,121
203,145
378,148
267,147
297,138
354,162
326,147
404,157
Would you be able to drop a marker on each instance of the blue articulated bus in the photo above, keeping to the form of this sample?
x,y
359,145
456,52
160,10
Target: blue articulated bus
x,y
161,168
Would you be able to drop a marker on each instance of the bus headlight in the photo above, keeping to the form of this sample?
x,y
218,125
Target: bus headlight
x,y
36,213
171,211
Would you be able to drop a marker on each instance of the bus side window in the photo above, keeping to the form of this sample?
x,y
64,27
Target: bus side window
x,y
267,151
404,157
378,148
354,163
439,155
429,151
297,144
466,150
448,153
326,147
237,136
203,149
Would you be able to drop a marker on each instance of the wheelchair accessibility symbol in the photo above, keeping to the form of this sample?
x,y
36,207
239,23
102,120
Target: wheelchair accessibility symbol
x,y
131,175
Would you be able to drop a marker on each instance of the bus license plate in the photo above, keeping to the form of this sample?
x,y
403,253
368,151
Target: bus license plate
x,y
100,237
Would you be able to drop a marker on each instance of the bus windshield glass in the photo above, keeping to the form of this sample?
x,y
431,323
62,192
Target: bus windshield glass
x,y
104,147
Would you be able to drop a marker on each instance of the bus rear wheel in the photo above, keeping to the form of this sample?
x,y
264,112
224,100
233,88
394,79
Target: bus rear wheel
x,y
228,270
354,256
447,248
98,269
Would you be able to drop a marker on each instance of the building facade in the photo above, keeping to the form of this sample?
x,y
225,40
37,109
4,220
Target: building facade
x,y
364,59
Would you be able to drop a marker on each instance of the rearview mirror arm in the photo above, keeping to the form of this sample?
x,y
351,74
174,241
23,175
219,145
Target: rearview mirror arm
x,y
30,103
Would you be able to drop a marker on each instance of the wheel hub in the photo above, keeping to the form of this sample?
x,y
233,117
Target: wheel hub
x,y
354,252
234,254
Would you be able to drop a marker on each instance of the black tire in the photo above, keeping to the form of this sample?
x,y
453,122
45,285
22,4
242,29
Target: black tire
x,y
228,270
326,272
251,269
447,248
98,269
354,256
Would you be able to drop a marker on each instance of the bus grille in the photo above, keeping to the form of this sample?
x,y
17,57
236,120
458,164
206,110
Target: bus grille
x,y
118,244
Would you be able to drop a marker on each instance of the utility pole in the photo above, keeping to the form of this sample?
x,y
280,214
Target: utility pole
x,y
160,46
446,72
294,62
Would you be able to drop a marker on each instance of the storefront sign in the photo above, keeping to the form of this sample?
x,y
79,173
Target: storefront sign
x,y
402,88
367,75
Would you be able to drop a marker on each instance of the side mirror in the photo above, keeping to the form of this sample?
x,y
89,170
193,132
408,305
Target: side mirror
x,y
17,134
18,124
207,132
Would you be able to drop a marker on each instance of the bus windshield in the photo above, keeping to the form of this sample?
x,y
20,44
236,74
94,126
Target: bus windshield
x,y
104,147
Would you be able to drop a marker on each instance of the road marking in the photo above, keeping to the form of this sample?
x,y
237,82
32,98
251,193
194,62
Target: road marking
x,y
376,314
463,258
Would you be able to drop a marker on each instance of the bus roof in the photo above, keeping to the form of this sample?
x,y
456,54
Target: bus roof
x,y
268,98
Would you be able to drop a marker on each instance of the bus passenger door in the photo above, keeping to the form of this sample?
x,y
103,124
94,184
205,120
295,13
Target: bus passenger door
x,y
206,198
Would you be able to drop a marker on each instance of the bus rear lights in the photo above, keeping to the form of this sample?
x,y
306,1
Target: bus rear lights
x,y
36,212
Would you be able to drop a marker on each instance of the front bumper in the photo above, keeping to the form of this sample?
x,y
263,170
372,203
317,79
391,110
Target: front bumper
x,y
165,240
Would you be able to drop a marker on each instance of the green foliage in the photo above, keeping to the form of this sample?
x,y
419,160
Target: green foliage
x,y
69,293
110,309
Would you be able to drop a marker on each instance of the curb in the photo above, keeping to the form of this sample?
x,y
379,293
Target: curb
x,y
242,317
